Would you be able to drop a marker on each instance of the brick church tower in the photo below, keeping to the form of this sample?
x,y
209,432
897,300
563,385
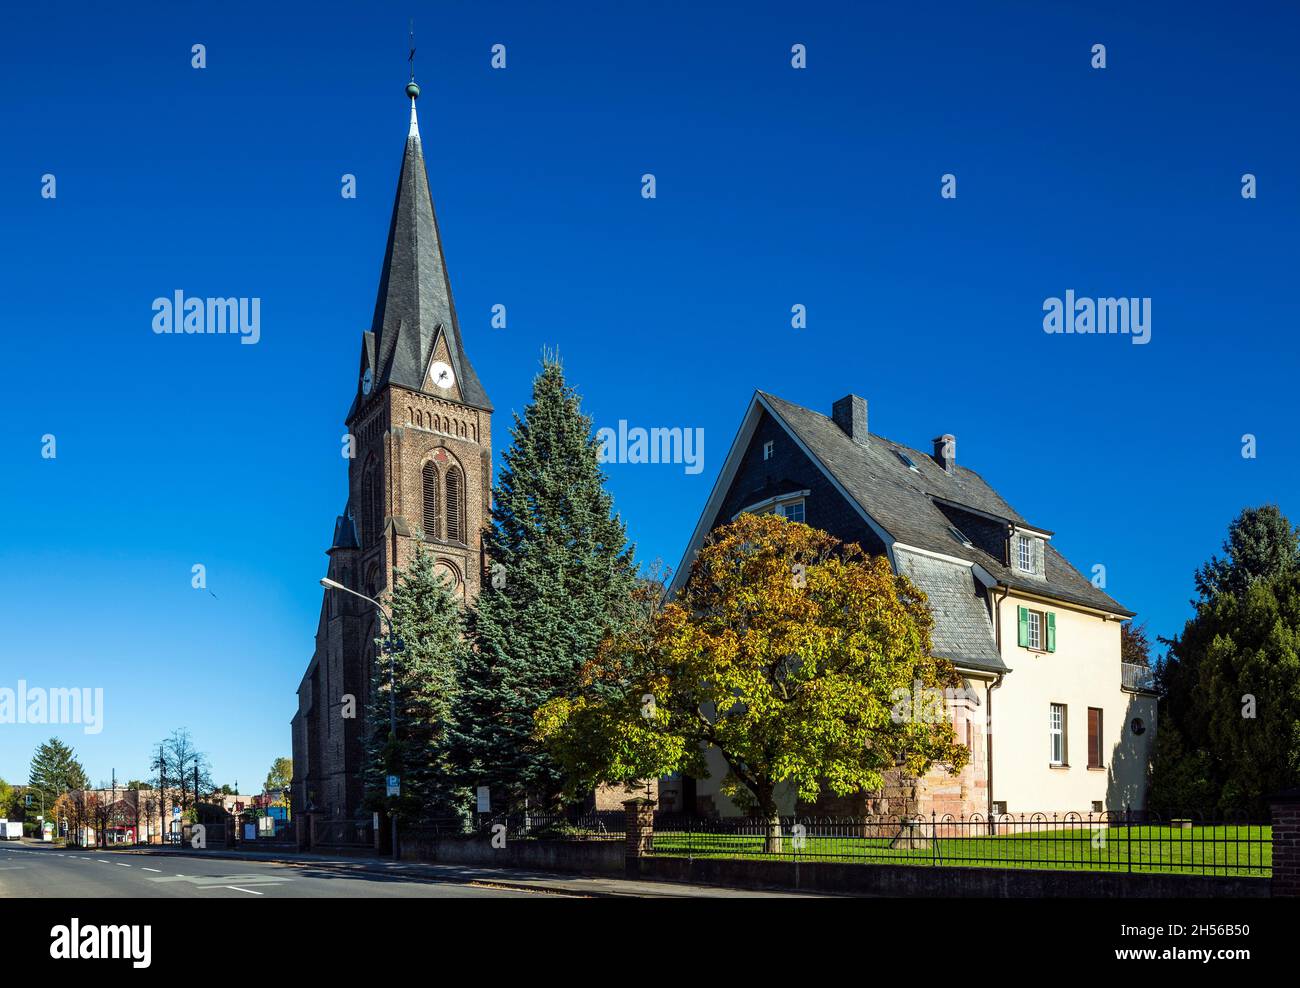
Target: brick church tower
x,y
421,468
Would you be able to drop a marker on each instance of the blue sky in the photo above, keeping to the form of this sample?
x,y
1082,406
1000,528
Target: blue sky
x,y
776,187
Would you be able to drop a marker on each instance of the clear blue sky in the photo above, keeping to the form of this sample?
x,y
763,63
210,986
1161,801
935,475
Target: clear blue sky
x,y
775,187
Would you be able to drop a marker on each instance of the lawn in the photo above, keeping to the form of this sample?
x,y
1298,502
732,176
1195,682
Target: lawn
x,y
1211,850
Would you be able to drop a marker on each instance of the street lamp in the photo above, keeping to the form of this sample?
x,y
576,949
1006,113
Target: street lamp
x,y
329,584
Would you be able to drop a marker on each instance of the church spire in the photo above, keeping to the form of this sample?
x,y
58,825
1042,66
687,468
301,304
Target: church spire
x,y
413,89
414,310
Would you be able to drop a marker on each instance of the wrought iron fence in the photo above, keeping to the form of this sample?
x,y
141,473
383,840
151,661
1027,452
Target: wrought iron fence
x,y
344,833
600,825
1123,841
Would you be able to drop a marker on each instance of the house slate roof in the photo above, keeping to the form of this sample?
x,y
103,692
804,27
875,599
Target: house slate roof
x,y
901,501
963,630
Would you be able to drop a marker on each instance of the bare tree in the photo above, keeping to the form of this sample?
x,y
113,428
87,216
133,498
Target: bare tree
x,y
174,764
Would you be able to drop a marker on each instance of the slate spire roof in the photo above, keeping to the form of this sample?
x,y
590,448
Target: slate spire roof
x,y
414,308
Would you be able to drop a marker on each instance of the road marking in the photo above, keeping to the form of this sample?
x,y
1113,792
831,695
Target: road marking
x,y
102,861
121,864
238,889
154,870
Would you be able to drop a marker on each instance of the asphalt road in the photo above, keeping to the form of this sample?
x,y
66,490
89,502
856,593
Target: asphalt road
x,y
34,870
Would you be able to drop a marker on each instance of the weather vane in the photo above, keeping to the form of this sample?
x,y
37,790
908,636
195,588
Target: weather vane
x,y
411,57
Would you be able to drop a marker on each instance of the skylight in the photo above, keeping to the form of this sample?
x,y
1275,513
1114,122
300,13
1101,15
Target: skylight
x,y
959,535
907,460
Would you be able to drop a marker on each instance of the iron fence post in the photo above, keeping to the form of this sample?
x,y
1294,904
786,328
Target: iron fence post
x,y
1128,835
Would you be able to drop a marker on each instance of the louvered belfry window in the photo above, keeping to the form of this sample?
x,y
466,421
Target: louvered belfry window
x,y
368,532
429,476
454,506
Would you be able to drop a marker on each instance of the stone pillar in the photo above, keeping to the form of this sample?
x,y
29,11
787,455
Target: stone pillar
x,y
640,828
1285,807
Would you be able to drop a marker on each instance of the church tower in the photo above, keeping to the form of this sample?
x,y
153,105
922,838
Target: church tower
x,y
420,472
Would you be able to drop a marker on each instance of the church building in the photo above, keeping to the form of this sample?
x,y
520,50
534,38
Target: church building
x,y
420,424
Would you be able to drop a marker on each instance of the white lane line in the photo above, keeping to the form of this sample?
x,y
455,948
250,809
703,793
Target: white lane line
x,y
121,864
154,870
179,875
238,889
102,861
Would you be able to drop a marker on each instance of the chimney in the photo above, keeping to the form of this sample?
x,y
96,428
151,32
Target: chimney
x,y
945,451
850,414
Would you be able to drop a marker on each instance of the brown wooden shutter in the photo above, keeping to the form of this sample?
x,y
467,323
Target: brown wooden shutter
x,y
1094,737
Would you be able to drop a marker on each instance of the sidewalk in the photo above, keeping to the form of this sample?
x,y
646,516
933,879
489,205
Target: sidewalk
x,y
508,878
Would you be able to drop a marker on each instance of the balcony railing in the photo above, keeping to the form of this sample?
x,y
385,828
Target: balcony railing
x,y
1136,677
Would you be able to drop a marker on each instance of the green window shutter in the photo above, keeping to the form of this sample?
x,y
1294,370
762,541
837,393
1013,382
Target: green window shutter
x,y
1023,614
1051,632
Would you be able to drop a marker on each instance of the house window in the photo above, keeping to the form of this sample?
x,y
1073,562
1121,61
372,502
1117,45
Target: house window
x,y
1056,731
792,511
1037,630
1024,554
767,449
1094,737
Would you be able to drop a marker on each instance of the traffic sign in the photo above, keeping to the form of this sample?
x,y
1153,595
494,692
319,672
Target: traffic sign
x,y
394,786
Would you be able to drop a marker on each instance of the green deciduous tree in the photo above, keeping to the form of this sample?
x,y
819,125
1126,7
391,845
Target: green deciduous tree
x,y
279,778
560,578
787,652
429,648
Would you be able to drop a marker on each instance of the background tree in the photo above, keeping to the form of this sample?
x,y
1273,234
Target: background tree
x,y
429,624
279,779
55,770
1229,727
175,760
1134,646
787,652
6,800
561,577
1261,544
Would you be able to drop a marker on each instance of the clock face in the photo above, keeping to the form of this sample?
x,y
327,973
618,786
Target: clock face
x,y
440,374
367,381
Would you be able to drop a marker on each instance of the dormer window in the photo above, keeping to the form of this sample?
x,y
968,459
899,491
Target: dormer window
x,y
1024,554
791,511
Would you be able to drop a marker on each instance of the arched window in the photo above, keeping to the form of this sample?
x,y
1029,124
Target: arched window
x,y
368,532
429,476
455,530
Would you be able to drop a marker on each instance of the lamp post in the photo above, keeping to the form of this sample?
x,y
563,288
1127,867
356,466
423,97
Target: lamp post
x,y
329,584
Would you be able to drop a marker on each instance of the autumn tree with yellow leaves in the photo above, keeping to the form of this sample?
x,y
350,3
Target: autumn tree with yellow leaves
x,y
787,651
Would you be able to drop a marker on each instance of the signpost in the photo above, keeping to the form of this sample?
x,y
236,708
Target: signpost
x,y
394,786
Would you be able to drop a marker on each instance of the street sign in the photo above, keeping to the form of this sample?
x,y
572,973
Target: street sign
x,y
484,800
394,786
